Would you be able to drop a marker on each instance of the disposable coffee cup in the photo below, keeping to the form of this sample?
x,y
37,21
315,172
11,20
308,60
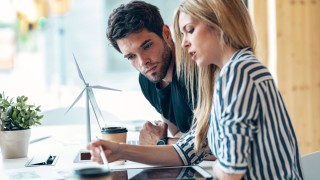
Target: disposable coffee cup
x,y
116,134
93,173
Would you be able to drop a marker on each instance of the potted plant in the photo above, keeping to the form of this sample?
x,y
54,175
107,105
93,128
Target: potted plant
x,y
16,117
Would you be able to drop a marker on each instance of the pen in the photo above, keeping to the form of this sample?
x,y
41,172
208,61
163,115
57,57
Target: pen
x,y
103,156
39,139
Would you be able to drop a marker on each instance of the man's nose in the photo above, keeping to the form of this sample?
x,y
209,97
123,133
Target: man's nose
x,y
143,60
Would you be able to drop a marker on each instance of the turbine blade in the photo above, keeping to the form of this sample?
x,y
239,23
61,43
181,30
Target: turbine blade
x,y
96,109
106,88
79,71
75,101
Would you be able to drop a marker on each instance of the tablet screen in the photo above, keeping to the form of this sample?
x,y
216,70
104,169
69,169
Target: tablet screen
x,y
184,172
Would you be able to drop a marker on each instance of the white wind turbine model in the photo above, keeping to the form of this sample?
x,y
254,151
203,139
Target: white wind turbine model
x,y
90,98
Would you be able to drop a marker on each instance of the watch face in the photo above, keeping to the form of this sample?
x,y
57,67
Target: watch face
x,y
161,142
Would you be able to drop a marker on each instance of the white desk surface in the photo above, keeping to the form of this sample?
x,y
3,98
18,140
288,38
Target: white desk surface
x,y
66,141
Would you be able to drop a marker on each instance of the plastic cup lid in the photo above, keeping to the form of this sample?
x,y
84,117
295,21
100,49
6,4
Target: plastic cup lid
x,y
113,130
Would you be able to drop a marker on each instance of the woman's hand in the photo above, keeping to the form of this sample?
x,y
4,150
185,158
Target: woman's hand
x,y
111,149
154,155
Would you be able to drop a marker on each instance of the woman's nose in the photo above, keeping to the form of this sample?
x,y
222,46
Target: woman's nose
x,y
185,43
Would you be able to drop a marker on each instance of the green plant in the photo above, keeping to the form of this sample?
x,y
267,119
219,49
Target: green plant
x,y
18,115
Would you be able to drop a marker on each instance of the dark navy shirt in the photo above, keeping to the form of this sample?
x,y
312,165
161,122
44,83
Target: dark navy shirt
x,y
171,102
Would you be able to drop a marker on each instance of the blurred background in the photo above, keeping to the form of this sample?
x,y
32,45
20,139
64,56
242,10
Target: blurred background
x,y
38,38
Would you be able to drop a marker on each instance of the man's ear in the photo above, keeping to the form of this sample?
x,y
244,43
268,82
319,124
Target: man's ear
x,y
166,34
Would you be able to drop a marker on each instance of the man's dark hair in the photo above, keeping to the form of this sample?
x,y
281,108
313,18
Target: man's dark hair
x,y
132,18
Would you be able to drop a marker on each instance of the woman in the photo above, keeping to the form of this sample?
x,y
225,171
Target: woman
x,y
249,132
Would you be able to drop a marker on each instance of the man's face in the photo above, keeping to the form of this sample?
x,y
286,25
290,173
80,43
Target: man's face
x,y
148,53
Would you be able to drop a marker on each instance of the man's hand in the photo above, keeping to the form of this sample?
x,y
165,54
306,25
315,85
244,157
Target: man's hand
x,y
151,133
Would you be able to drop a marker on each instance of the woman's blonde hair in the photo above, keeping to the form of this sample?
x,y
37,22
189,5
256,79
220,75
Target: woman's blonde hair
x,y
232,20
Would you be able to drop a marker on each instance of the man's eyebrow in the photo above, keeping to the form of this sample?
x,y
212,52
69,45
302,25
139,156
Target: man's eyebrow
x,y
141,46
127,55
145,42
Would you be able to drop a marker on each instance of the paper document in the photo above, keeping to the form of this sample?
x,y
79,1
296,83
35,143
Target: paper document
x,y
30,173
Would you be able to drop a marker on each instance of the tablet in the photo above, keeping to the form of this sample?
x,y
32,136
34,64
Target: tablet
x,y
178,172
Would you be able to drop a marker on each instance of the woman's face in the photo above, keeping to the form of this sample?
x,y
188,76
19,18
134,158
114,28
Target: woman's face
x,y
200,41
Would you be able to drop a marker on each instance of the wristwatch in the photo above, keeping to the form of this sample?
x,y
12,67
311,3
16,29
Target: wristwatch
x,y
163,141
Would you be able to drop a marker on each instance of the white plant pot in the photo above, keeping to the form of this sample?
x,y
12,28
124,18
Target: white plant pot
x,y
14,144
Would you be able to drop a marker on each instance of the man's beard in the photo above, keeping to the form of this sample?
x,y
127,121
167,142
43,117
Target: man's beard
x,y
165,64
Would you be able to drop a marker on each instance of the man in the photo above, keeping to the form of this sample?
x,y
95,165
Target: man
x,y
138,32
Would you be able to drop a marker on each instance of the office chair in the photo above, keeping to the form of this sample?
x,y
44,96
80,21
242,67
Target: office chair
x,y
311,165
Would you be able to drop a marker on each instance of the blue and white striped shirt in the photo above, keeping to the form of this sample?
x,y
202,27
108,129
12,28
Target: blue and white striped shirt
x,y
185,149
249,129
